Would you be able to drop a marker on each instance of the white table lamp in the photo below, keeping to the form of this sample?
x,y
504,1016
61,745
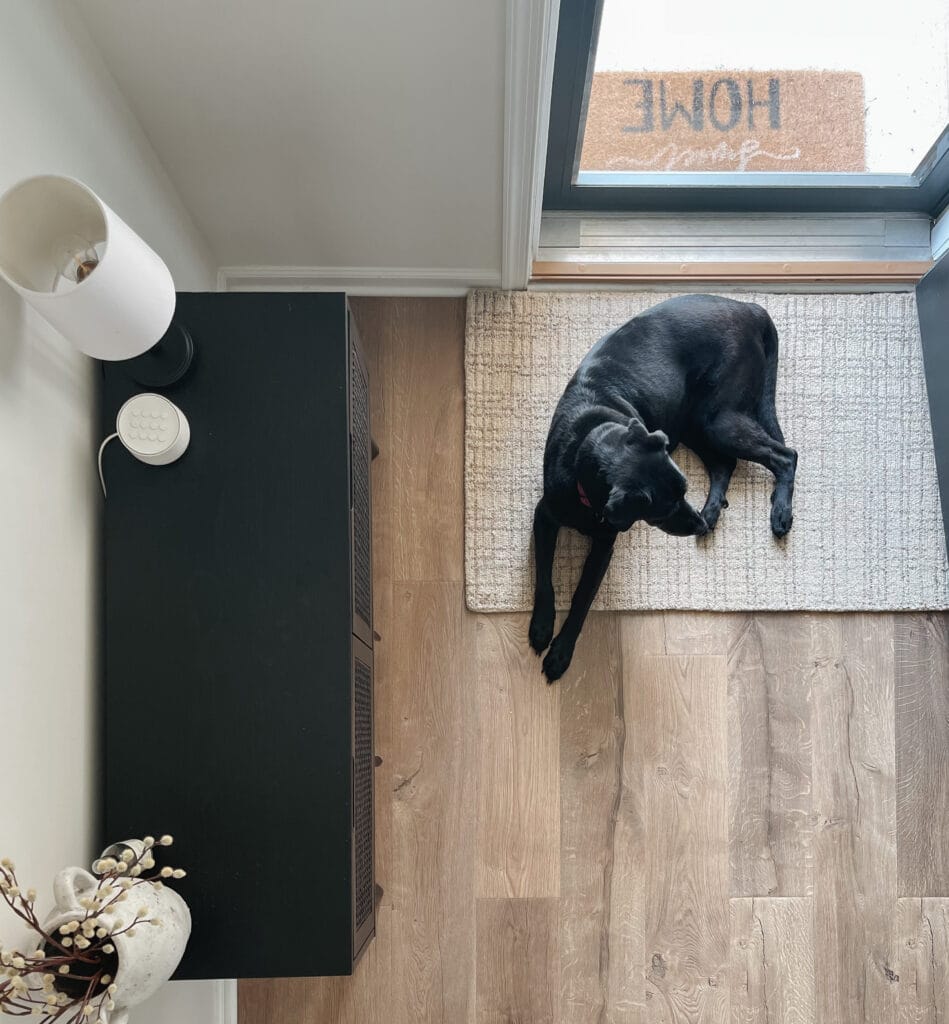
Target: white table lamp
x,y
85,270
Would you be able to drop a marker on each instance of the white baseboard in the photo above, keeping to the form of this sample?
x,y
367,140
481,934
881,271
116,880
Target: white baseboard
x,y
225,1002
190,1002
358,280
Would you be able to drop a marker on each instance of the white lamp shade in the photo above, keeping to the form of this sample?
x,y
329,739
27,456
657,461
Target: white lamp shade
x,y
123,307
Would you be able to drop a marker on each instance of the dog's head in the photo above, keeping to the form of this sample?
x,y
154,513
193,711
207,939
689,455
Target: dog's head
x,y
644,482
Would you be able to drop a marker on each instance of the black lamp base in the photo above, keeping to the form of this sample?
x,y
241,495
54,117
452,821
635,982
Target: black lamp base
x,y
166,362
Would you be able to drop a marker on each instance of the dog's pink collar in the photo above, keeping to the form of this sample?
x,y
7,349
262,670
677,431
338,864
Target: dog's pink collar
x,y
584,500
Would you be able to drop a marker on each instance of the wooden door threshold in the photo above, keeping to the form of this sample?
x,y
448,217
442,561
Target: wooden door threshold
x,y
812,272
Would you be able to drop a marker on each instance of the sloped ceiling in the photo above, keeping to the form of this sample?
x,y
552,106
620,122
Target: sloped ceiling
x,y
356,133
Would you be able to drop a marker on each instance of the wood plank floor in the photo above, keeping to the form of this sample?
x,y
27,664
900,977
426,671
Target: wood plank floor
x,y
713,818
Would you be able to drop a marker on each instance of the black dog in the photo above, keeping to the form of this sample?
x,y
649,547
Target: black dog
x,y
697,369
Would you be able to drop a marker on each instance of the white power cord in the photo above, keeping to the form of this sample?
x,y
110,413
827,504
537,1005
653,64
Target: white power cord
x,y
111,437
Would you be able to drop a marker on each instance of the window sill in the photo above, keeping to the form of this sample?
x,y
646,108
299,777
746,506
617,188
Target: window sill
x,y
906,272
891,248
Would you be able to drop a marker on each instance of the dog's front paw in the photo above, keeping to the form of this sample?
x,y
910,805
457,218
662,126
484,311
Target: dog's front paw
x,y
781,519
541,629
711,514
558,659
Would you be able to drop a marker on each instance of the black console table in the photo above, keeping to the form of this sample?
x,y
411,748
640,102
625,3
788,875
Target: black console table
x,y
237,636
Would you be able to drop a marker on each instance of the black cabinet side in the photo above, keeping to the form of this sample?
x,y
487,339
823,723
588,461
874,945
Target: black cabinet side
x,y
932,299
228,637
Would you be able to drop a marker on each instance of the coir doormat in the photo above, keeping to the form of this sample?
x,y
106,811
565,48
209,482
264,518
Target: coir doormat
x,y
852,400
725,121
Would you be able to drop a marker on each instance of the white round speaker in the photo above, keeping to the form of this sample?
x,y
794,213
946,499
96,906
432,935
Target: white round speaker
x,y
153,429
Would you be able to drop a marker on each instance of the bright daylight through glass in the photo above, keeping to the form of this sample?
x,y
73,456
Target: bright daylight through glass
x,y
818,85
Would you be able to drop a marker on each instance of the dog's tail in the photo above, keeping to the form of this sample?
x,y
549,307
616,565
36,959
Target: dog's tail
x,y
767,414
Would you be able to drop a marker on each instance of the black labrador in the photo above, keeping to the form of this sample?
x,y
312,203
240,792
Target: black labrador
x,y
696,369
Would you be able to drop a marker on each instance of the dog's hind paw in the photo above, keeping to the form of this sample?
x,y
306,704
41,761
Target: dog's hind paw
x,y
541,631
781,520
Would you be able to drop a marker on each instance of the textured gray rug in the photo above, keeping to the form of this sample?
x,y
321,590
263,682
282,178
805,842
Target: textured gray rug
x,y
851,398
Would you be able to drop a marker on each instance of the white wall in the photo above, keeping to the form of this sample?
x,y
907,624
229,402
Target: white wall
x,y
60,112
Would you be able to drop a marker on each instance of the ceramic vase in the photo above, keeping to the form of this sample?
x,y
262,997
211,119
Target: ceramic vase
x,y
148,957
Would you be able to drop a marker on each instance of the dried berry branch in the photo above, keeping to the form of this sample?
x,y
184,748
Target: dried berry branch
x,y
42,983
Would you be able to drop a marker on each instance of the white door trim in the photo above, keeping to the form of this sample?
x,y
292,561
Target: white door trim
x,y
940,235
529,73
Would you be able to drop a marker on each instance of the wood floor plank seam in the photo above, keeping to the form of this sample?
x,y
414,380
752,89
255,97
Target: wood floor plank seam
x,y
772,960
855,840
518,820
608,869
518,962
687,930
769,756
922,768
594,941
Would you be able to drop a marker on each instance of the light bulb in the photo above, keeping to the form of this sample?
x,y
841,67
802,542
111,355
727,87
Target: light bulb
x,y
74,258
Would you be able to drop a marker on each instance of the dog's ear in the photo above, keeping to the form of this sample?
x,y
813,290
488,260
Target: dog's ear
x,y
659,440
637,434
